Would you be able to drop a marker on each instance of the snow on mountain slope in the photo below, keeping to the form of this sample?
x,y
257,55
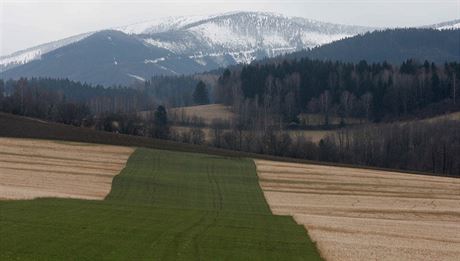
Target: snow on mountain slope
x,y
221,40
34,53
174,45
244,36
177,45
454,24
451,26
159,25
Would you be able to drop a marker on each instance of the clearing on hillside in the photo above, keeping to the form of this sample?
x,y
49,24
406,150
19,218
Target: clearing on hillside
x,y
360,214
208,113
40,168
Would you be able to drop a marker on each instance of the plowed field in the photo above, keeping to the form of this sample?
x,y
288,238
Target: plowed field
x,y
360,214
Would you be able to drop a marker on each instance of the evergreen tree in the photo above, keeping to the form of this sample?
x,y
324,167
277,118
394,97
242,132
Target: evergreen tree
x,y
2,90
201,95
160,121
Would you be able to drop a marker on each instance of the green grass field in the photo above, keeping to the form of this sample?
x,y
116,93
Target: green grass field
x,y
163,206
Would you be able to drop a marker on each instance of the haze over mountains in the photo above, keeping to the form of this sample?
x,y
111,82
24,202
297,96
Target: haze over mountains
x,y
174,46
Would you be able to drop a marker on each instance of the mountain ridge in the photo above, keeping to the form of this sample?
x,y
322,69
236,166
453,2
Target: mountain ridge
x,y
178,45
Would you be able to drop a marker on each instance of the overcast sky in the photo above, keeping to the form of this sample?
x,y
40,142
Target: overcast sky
x,y
28,23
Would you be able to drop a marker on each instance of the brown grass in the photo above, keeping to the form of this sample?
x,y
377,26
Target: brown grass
x,y
455,116
360,214
39,168
208,112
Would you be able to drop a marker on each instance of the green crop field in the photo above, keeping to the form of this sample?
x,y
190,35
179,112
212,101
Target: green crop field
x,y
163,206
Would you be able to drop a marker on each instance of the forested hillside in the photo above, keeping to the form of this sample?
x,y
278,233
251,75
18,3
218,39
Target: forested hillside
x,y
392,46
277,93
271,98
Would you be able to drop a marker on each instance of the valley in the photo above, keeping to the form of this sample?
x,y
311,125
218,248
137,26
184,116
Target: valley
x,y
190,131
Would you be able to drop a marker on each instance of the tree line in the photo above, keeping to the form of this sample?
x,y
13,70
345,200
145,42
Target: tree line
x,y
378,92
41,97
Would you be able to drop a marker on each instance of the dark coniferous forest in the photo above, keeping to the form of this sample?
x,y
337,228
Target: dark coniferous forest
x,y
394,46
375,92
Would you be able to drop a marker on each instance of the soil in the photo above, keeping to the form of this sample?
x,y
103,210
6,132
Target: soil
x,y
362,214
40,168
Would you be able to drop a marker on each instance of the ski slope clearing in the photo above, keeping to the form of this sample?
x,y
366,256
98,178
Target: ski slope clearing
x,y
360,214
39,168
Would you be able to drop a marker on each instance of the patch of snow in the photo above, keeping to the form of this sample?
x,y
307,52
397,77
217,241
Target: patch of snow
x,y
155,60
170,46
21,58
223,36
452,26
275,40
160,24
167,69
201,62
244,57
137,77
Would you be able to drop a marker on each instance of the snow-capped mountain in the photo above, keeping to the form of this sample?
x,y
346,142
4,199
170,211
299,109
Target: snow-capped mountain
x,y
171,46
244,36
34,53
175,45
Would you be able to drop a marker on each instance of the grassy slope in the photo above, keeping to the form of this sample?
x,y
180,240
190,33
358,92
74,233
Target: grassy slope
x,y
163,206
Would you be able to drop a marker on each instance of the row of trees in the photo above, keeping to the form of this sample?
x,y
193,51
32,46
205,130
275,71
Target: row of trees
x,y
431,147
20,97
416,145
42,97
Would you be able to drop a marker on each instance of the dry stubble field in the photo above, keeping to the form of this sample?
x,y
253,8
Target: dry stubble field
x,y
359,214
38,168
